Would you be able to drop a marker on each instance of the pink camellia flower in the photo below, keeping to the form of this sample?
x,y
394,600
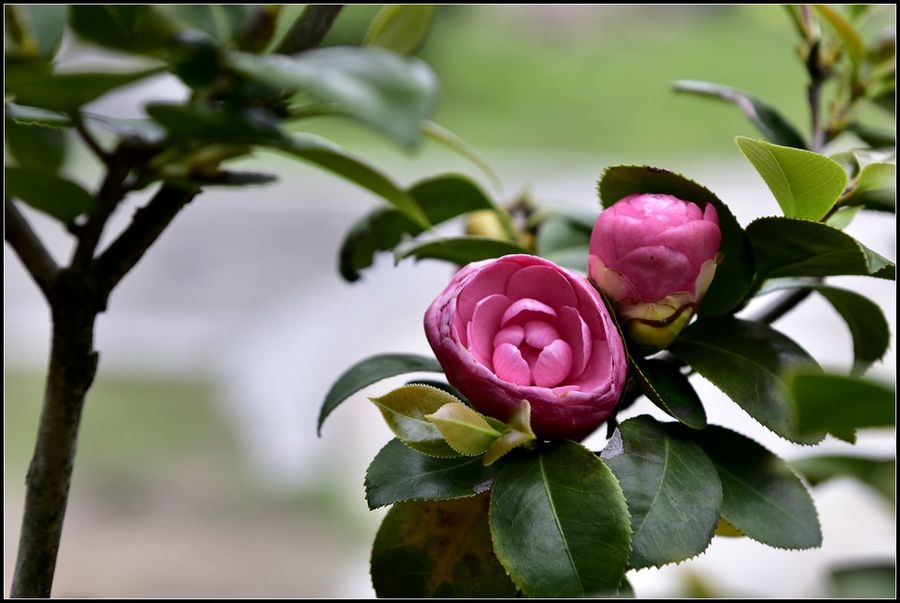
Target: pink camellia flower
x,y
522,328
655,256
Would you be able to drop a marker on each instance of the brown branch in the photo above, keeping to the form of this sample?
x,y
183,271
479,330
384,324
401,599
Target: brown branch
x,y
309,29
37,260
146,226
111,192
89,140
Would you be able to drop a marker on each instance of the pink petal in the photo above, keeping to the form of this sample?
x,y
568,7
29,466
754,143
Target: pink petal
x,y
488,280
575,332
543,283
710,214
510,366
534,309
596,375
615,284
539,334
658,271
698,240
485,324
553,364
513,334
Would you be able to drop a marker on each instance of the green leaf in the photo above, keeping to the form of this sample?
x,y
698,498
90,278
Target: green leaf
x,y
326,155
38,87
864,318
841,218
766,118
564,240
441,385
672,489
788,247
805,184
441,198
516,433
372,370
877,473
670,390
221,21
41,28
762,497
399,474
438,549
874,188
872,136
35,147
401,28
405,410
137,28
734,276
560,523
464,429
185,123
824,402
852,42
456,144
869,581
458,250
745,360
390,93
62,199
31,116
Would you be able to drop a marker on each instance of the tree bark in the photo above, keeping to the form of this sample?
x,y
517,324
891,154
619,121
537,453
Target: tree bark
x,y
73,364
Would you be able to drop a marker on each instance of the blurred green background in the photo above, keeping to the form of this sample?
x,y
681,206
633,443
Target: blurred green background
x,y
541,79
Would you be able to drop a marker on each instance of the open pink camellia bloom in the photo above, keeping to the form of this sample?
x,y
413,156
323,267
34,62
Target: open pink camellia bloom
x,y
655,256
522,328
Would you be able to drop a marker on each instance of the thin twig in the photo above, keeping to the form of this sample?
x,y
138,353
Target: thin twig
x,y
37,260
89,140
309,29
111,192
146,226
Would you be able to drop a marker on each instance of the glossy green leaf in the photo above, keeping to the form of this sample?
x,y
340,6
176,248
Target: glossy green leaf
x,y
458,250
405,410
326,155
441,198
672,489
35,147
399,473
560,523
38,87
464,429
874,188
852,41
390,93
865,319
734,276
401,28
865,581
186,123
824,402
438,549
745,360
138,28
40,30
789,247
517,433
372,370
60,198
459,146
805,184
670,390
877,473
762,497
766,118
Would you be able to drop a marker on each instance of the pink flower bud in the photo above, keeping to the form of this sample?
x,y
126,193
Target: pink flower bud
x,y
655,256
522,328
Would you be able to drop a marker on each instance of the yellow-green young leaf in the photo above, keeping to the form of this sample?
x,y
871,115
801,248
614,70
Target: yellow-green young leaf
x,y
400,27
465,430
805,184
723,528
404,411
875,187
853,43
518,433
